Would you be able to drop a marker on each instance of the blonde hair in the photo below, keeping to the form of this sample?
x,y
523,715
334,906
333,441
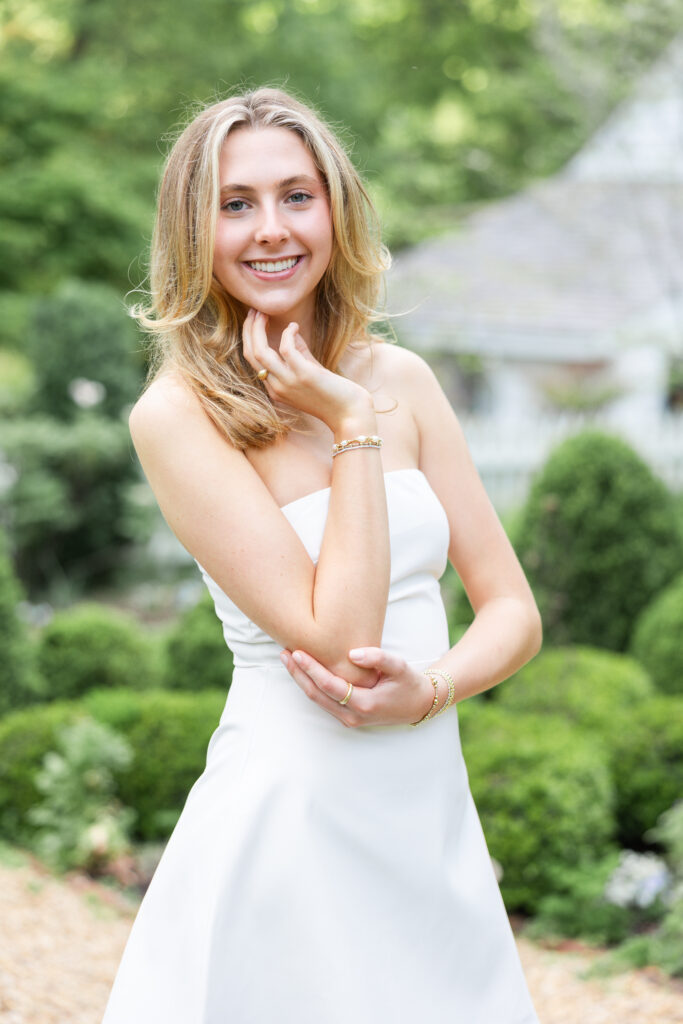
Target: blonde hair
x,y
195,324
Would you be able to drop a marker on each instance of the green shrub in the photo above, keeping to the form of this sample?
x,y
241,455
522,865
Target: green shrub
x,y
90,646
578,908
20,683
647,766
196,654
68,510
598,539
25,737
168,733
83,333
658,638
79,823
544,795
583,685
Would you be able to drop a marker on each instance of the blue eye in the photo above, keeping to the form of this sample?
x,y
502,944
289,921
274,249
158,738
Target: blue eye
x,y
234,205
299,197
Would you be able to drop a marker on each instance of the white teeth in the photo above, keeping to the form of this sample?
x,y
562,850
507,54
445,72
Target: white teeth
x,y
273,266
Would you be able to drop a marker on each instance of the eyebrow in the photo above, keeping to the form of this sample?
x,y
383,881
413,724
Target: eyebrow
x,y
285,183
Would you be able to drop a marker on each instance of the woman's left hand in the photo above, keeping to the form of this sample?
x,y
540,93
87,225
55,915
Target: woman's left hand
x,y
400,696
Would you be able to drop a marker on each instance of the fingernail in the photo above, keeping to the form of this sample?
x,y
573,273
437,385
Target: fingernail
x,y
283,658
357,654
298,658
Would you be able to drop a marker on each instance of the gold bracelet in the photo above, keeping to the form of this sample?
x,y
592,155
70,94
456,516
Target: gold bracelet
x,y
451,689
362,441
430,714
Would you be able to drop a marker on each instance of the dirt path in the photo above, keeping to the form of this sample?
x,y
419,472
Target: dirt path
x,y
61,941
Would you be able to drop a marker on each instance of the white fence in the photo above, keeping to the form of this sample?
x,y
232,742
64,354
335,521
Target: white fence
x,y
508,453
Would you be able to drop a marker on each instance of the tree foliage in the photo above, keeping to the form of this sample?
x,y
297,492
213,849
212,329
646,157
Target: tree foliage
x,y
448,103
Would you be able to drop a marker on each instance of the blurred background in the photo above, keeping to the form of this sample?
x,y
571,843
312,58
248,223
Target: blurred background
x,y
526,158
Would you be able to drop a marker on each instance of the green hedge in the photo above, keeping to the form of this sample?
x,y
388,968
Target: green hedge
x,y
196,656
169,734
584,685
20,684
89,646
544,795
598,538
658,638
647,766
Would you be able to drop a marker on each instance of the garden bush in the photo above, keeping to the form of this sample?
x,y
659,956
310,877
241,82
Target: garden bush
x,y
647,766
657,640
20,683
583,685
196,654
70,510
25,737
598,538
168,733
90,645
79,337
79,822
544,795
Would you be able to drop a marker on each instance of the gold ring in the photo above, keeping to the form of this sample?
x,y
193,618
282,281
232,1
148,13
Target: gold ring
x,y
345,700
262,374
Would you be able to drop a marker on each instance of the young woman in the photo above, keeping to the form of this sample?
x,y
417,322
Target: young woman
x,y
329,866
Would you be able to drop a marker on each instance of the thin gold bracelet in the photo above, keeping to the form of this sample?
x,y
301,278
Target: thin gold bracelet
x,y
362,441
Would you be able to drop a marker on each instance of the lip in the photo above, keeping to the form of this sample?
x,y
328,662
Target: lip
x,y
279,275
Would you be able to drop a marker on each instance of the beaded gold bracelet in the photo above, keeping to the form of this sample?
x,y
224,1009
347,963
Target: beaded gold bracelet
x,y
430,714
451,689
362,441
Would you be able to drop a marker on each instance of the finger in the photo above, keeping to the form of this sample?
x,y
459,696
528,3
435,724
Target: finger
x,y
264,355
377,658
342,712
331,685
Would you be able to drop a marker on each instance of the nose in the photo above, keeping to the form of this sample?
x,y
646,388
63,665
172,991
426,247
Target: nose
x,y
272,227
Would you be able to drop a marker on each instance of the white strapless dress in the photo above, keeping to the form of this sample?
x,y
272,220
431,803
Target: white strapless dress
x,y
324,875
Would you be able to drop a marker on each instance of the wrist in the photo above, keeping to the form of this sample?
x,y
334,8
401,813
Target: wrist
x,y
353,422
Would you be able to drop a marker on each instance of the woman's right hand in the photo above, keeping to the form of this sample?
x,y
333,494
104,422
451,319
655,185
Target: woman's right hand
x,y
296,378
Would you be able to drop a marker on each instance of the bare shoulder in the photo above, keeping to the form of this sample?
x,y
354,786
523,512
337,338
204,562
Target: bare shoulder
x,y
166,404
387,365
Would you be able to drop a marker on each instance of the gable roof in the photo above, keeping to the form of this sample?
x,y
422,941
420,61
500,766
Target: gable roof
x,y
573,268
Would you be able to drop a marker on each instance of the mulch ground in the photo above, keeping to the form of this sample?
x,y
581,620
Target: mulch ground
x,y
61,940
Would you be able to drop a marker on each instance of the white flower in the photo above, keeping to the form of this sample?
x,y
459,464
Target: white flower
x,y
637,880
86,393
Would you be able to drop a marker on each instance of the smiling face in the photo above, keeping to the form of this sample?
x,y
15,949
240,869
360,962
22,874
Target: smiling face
x,y
274,229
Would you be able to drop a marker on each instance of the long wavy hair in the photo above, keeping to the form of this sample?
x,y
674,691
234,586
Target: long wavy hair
x,y
195,325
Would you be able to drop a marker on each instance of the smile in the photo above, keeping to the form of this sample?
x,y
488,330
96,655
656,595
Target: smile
x,y
273,266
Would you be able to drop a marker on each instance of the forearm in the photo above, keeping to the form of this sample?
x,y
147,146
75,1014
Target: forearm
x,y
505,634
351,584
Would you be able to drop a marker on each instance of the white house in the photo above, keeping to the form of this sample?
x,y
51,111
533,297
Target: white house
x,y
570,294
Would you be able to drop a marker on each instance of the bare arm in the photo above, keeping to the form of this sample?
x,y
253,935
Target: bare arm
x,y
222,512
506,631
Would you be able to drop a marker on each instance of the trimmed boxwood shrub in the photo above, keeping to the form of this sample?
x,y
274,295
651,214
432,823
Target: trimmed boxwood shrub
x,y
169,734
584,685
598,538
196,654
68,511
20,683
658,638
544,795
647,766
90,645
